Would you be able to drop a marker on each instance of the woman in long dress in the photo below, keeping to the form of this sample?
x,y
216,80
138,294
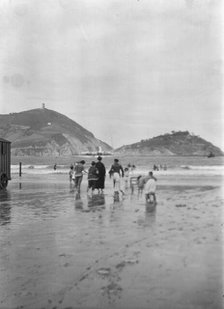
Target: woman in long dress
x,y
101,176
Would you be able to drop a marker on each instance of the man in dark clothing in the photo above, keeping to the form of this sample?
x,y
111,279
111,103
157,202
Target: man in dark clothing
x,y
101,175
116,171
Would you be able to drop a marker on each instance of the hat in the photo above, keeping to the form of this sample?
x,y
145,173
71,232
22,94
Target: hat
x,y
116,160
99,158
83,162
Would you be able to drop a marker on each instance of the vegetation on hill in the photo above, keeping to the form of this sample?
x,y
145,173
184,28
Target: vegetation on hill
x,y
42,132
174,143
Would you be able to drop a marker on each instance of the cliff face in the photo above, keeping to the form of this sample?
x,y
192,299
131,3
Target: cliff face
x,y
176,143
42,132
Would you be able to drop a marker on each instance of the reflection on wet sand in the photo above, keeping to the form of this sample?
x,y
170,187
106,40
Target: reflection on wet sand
x,y
5,207
78,201
119,197
150,215
68,250
116,197
150,206
96,200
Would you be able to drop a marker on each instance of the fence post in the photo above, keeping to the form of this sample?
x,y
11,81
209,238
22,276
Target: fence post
x,y
20,169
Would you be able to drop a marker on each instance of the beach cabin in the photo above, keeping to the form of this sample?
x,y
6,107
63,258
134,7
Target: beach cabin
x,y
5,162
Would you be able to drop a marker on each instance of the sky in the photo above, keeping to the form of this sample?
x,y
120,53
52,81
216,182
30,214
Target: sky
x,y
126,70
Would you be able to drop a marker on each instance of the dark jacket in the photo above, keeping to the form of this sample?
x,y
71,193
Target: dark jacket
x,y
116,168
93,173
101,168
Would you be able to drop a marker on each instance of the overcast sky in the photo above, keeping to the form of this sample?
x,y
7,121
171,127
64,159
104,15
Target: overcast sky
x,y
124,69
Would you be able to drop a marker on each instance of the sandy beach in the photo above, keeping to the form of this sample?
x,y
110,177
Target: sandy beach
x,y
61,251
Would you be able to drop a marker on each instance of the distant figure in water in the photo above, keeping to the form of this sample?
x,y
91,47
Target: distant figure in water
x,y
70,173
131,168
101,175
55,166
150,188
155,167
116,171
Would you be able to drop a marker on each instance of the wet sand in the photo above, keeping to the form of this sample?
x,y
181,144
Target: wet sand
x,y
59,250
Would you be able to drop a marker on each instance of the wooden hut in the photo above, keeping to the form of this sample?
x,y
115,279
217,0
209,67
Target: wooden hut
x,y
5,162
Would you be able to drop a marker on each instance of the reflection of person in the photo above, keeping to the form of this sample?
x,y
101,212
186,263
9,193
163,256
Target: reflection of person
x,y
78,173
116,197
101,176
96,200
5,209
78,201
150,188
92,176
117,172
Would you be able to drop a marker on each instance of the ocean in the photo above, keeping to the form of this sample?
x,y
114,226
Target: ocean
x,y
175,165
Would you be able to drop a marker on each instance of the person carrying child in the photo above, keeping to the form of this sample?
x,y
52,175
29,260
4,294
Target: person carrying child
x,y
92,176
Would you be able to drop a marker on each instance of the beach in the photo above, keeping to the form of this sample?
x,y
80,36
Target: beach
x,y
59,250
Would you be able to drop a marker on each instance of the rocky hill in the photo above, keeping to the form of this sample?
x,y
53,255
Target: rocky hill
x,y
175,143
42,132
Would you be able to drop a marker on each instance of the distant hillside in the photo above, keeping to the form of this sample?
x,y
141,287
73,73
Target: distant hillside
x,y
42,132
175,143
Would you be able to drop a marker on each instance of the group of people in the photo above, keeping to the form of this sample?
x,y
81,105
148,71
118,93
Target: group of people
x,y
159,167
97,174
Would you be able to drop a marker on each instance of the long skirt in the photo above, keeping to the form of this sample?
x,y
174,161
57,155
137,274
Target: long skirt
x,y
100,182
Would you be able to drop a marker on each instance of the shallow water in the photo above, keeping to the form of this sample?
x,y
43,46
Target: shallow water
x,y
175,165
62,250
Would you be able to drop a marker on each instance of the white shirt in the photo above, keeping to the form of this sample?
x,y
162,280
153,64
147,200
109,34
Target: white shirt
x,y
150,186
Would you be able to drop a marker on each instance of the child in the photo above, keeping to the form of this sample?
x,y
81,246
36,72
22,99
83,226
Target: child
x,y
71,173
126,177
140,182
92,176
150,188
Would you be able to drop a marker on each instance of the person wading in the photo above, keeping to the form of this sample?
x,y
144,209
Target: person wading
x,y
78,173
116,171
92,176
101,176
150,188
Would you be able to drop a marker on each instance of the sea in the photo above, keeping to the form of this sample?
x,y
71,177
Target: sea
x,y
140,165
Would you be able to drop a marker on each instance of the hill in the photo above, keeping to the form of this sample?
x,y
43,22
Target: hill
x,y
180,143
42,132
